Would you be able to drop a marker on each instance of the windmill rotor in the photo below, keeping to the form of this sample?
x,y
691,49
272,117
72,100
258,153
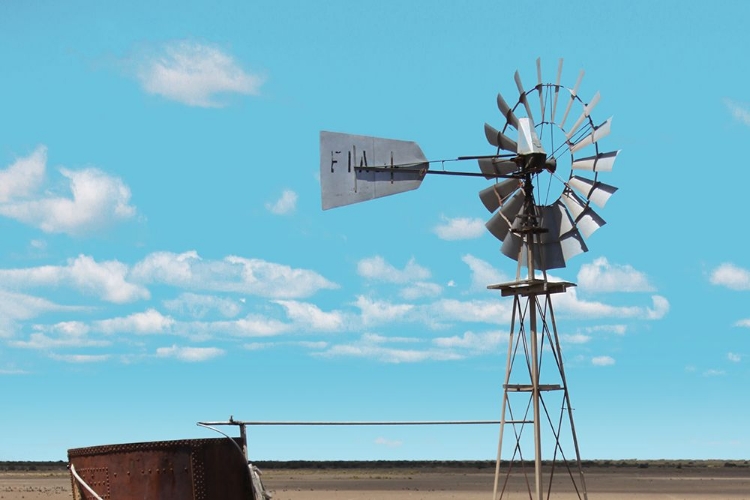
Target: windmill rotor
x,y
556,228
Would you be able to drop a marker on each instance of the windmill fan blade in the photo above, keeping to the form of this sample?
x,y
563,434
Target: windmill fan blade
x,y
569,238
602,162
584,115
557,90
496,195
550,255
500,223
522,95
573,95
598,133
514,248
585,218
539,86
343,180
508,114
594,191
498,139
494,167
572,244
566,222
547,256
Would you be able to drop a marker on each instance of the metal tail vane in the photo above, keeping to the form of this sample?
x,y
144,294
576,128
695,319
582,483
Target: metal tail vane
x,y
534,151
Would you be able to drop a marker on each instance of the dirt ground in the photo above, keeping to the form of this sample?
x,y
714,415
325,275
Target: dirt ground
x,y
708,483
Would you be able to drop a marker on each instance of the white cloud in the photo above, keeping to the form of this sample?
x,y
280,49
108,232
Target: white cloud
x,y
13,371
198,306
419,290
375,312
388,443
190,354
286,204
601,276
745,323
616,329
376,338
739,111
24,176
258,346
731,276
195,74
602,361
368,348
105,279
478,311
569,304
714,373
310,316
459,228
64,334
249,326
376,268
142,323
474,342
15,307
575,338
80,358
232,274
660,307
734,357
482,273
97,199
312,345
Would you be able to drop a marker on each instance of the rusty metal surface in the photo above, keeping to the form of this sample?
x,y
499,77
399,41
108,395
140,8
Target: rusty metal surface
x,y
196,469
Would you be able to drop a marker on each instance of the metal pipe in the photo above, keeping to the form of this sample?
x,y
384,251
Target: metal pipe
x,y
410,168
362,423
535,400
516,307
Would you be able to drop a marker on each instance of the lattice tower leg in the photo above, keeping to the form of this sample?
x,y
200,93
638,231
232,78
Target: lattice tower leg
x,y
535,355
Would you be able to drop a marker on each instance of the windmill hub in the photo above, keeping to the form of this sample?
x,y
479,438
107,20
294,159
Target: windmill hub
x,y
533,163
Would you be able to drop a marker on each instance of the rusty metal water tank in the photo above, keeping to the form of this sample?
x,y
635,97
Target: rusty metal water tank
x,y
192,469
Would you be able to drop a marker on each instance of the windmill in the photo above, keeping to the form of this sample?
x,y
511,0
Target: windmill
x,y
537,158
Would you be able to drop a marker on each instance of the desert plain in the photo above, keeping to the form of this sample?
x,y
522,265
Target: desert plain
x,y
618,480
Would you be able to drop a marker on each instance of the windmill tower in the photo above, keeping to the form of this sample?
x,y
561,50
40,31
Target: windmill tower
x,y
545,159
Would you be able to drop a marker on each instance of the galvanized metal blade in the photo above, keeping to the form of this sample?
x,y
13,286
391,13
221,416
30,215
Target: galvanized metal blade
x,y
493,167
344,178
498,139
598,133
594,191
587,108
602,162
557,90
546,255
584,216
539,86
507,112
566,222
550,255
522,95
514,248
573,95
500,223
572,244
497,194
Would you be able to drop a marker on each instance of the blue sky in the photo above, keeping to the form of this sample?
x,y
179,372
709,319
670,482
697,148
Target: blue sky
x,y
165,258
